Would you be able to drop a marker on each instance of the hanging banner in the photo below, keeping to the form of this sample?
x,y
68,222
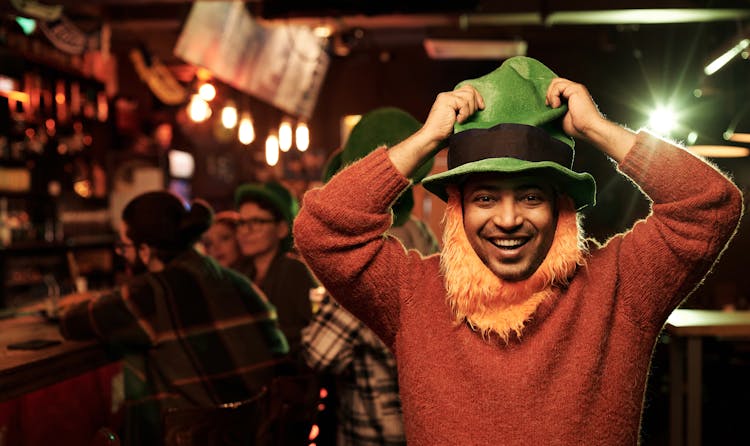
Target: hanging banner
x,y
283,65
36,10
66,36
159,79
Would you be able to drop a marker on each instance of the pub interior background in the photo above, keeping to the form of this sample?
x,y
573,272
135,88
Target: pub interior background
x,y
115,79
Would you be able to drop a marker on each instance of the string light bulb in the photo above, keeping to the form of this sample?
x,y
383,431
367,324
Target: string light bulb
x,y
285,136
302,136
198,109
229,115
246,131
272,150
207,92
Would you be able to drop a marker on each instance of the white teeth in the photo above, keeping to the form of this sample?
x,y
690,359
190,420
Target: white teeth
x,y
509,243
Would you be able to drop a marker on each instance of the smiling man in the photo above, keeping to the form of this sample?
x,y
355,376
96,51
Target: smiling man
x,y
520,331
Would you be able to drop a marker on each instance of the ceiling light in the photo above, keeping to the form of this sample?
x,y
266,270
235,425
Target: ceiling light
x,y
719,151
722,60
207,92
739,137
272,150
474,49
645,16
285,136
302,136
229,115
246,132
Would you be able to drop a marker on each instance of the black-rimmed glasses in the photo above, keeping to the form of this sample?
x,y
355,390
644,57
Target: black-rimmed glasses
x,y
254,223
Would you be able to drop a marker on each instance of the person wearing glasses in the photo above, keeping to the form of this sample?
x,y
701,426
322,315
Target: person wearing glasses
x,y
264,232
182,347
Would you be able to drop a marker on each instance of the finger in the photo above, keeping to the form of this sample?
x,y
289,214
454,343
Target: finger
x,y
464,110
479,100
555,92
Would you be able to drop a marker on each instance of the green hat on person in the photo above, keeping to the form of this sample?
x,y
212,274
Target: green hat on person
x,y
273,195
383,126
515,132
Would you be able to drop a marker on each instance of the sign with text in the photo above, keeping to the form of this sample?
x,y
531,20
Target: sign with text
x,y
282,65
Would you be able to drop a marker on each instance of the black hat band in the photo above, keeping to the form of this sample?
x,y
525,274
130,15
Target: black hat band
x,y
507,140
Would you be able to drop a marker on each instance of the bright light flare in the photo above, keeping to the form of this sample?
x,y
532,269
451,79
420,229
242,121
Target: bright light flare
x,y
662,120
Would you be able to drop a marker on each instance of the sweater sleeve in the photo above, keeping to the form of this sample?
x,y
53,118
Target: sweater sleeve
x,y
109,318
694,213
340,233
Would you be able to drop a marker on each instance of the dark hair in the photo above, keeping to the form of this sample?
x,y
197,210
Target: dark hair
x,y
161,220
228,218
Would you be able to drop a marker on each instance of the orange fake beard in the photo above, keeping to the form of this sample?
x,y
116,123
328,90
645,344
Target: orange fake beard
x,y
486,302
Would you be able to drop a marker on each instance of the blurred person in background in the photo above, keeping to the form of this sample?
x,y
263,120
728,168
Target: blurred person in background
x,y
264,232
220,242
336,342
183,348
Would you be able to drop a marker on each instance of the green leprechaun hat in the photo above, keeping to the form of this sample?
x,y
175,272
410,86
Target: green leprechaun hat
x,y
385,126
515,132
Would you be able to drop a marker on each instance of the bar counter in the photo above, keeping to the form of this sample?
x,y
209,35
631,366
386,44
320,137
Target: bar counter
x,y
23,371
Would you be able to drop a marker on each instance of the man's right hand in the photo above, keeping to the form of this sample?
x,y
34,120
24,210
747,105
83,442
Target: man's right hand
x,y
448,109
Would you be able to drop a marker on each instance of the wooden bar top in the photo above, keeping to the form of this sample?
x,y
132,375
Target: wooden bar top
x,y
23,371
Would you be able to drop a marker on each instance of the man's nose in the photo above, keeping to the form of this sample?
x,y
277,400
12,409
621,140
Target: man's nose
x,y
507,216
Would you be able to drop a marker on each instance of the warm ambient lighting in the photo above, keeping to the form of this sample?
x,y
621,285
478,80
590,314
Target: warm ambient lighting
x,y
739,137
474,49
302,136
720,151
272,150
207,92
246,133
722,60
285,136
198,109
229,115
181,164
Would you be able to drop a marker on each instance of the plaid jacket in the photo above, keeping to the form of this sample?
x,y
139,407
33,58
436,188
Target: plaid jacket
x,y
192,335
369,411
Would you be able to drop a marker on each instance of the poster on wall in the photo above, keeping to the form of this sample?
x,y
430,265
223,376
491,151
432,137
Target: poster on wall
x,y
283,65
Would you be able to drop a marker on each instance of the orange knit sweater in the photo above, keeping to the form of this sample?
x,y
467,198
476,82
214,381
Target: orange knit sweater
x,y
578,374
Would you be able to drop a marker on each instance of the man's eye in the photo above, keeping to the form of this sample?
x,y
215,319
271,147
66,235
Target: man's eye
x,y
482,198
533,198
